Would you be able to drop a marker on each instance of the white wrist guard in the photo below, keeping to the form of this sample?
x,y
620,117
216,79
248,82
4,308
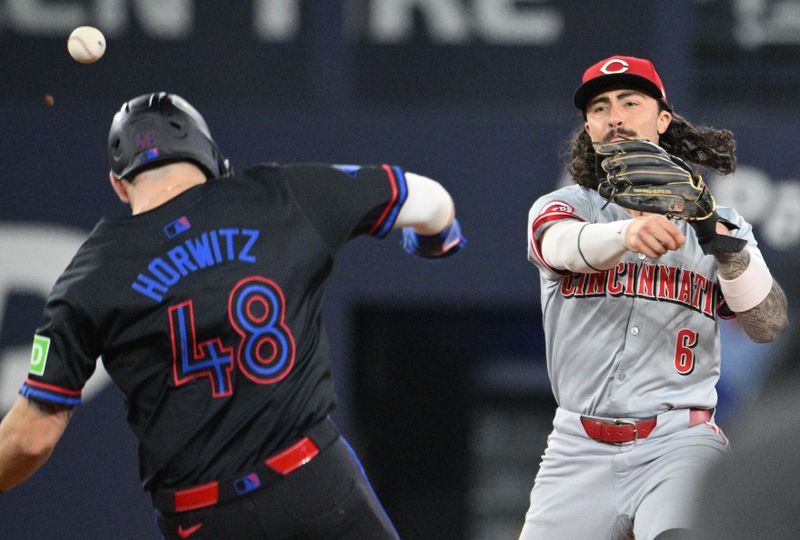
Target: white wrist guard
x,y
750,288
584,247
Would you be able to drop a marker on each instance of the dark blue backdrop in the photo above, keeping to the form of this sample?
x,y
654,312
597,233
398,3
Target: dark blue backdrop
x,y
485,118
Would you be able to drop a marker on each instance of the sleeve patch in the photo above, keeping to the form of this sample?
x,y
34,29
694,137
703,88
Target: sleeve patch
x,y
552,211
39,352
556,207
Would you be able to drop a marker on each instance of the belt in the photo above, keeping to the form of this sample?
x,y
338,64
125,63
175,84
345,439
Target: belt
x,y
268,471
628,431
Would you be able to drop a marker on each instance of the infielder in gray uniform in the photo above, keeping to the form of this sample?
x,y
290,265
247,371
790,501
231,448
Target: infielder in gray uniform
x,y
631,305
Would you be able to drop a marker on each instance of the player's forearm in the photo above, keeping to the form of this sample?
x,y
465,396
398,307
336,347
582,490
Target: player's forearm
x,y
766,321
584,247
745,282
16,466
28,435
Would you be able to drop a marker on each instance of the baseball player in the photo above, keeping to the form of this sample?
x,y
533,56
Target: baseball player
x,y
205,305
631,304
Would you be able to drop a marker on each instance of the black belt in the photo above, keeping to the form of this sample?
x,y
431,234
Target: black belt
x,y
268,471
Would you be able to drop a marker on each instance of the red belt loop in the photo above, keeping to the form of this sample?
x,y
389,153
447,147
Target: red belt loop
x,y
293,457
196,497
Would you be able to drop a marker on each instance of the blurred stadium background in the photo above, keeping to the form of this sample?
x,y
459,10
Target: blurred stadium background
x,y
439,367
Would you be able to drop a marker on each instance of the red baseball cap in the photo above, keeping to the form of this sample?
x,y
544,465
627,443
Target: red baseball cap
x,y
620,72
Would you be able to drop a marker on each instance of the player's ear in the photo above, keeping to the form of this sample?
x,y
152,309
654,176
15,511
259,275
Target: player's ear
x,y
119,188
663,122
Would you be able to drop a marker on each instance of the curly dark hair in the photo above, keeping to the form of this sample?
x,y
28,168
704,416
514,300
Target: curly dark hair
x,y
705,146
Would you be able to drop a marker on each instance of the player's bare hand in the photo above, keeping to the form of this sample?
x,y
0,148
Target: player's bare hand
x,y
653,235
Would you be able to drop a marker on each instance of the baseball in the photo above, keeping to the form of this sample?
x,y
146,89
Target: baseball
x,y
86,44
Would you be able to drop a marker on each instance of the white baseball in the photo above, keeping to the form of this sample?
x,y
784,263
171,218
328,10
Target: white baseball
x,y
86,44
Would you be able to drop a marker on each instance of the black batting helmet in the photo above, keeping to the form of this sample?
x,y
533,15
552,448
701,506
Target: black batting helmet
x,y
157,128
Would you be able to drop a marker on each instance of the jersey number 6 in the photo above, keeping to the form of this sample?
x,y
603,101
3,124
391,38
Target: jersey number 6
x,y
266,349
684,355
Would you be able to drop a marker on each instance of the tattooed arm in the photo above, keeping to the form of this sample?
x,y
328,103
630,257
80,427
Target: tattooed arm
x,y
28,435
764,322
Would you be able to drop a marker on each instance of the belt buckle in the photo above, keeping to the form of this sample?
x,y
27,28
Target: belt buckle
x,y
619,422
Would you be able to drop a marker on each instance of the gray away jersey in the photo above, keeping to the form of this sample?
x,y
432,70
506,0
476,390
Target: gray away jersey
x,y
636,340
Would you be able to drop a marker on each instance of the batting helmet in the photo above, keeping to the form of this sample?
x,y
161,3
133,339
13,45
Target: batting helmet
x,y
157,128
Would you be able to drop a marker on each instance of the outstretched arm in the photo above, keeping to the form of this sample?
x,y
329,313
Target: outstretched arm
x,y
428,219
28,435
429,209
744,281
583,247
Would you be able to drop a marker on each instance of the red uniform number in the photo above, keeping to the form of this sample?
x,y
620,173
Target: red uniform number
x,y
684,355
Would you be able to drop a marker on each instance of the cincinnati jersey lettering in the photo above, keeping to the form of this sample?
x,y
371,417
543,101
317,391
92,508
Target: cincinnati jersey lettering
x,y
656,282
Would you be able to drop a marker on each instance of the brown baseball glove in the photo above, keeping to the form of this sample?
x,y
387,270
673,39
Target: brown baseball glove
x,y
642,176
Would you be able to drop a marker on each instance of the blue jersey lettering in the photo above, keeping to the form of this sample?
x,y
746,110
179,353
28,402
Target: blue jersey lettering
x,y
208,249
200,250
180,258
228,234
149,287
252,236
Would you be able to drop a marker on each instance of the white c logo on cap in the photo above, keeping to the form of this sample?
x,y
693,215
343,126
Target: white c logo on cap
x,y
607,67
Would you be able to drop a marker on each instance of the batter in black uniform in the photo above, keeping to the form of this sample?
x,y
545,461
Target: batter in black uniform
x,y
205,305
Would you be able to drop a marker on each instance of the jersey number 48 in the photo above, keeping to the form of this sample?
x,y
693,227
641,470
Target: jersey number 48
x,y
266,348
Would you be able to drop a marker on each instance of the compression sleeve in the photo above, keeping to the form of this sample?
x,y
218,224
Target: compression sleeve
x,y
584,247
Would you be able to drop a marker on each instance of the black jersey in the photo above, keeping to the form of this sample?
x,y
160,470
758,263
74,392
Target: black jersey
x,y
207,313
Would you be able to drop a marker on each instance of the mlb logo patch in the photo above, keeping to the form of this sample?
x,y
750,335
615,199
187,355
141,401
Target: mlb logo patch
x,y
247,483
174,228
150,155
